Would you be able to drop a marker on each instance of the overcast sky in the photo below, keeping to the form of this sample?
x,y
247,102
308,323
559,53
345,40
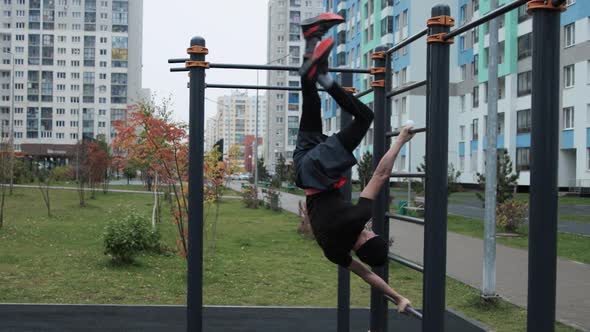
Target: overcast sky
x,y
235,32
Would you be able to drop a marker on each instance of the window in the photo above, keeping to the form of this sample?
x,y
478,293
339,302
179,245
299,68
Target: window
x,y
463,14
569,76
59,135
474,161
522,13
525,46
475,5
570,34
475,96
523,159
568,117
462,133
588,159
475,36
462,163
524,83
474,129
463,72
60,123
60,111
523,121
501,87
73,136
476,64
462,102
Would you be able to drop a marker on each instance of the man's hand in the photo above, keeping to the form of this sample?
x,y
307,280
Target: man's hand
x,y
402,304
405,135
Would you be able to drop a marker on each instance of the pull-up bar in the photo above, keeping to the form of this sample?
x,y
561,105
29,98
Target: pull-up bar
x,y
406,88
407,41
487,17
255,87
266,67
409,309
413,131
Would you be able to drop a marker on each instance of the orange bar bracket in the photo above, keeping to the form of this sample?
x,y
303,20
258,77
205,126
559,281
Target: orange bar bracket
x,y
378,55
443,20
350,89
542,4
197,50
439,38
377,70
199,64
378,84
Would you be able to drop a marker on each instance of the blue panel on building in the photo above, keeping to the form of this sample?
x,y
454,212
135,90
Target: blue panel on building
x,y
523,140
579,10
473,146
403,151
567,139
588,137
462,149
465,57
499,142
293,97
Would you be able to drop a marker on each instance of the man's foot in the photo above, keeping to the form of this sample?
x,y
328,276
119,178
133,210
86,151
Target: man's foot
x,y
316,27
318,63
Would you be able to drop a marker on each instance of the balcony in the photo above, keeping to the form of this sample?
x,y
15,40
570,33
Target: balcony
x,y
567,139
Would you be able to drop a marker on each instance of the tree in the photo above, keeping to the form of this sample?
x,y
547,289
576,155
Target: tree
x,y
262,171
81,171
365,169
151,141
44,179
452,178
281,169
96,164
507,181
5,174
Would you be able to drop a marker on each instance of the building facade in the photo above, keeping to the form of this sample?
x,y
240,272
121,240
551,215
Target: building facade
x,y
286,47
69,69
375,22
236,119
467,141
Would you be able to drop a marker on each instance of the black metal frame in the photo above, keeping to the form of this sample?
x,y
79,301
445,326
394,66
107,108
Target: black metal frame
x,y
544,148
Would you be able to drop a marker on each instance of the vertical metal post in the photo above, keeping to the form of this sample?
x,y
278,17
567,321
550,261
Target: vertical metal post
x,y
489,242
437,141
344,274
378,302
544,154
194,295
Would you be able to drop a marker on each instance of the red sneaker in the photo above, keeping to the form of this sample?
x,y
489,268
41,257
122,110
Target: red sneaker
x,y
316,27
318,62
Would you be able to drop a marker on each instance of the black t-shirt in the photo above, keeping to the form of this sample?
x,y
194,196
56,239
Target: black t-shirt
x,y
337,223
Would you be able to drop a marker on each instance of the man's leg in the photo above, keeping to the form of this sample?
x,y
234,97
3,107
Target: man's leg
x,y
352,135
311,117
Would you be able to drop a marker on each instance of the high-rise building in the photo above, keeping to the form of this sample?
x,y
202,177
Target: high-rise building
x,y
285,46
374,22
69,69
236,119
211,135
467,143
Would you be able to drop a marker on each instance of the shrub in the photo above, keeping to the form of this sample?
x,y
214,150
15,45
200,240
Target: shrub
x,y
511,214
249,197
127,236
63,173
272,199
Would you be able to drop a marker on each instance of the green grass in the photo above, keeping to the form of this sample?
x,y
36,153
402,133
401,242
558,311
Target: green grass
x,y
259,259
570,246
565,200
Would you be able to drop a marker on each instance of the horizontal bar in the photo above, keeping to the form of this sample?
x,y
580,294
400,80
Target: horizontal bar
x,y
407,41
179,69
406,88
487,17
254,87
406,262
364,93
408,175
413,131
557,3
409,219
177,60
409,309
272,67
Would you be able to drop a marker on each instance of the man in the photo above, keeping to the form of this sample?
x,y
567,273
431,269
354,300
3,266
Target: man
x,y
321,161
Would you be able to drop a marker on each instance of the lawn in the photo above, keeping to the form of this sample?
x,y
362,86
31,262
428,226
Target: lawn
x,y
111,186
571,246
259,259
566,200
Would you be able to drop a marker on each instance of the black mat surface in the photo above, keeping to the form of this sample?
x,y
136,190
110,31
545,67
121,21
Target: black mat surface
x,y
32,318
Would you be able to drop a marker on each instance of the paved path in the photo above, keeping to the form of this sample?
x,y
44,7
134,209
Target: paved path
x,y
470,207
464,263
89,189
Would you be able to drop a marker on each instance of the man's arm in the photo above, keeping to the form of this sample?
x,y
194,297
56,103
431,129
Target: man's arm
x,y
375,281
383,171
